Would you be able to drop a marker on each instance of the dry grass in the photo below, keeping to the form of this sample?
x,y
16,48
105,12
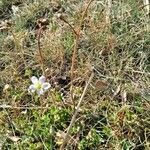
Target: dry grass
x,y
113,43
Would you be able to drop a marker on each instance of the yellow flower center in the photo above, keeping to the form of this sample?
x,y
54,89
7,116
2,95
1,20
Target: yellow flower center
x,y
38,85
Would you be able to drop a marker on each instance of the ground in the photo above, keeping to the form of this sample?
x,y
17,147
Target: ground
x,y
67,41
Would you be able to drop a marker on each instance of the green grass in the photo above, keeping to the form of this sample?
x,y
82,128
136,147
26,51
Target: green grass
x,y
114,114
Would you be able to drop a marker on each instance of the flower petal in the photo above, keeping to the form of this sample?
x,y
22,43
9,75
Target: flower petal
x,y
46,86
40,92
42,79
34,79
31,88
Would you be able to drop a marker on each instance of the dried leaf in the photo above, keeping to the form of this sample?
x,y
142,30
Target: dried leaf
x,y
101,85
14,138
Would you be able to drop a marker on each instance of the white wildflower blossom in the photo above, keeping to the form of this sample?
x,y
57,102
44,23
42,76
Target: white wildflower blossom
x,y
39,85
15,9
6,87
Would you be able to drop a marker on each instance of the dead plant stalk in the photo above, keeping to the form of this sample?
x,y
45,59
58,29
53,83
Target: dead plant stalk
x,y
40,51
77,33
66,138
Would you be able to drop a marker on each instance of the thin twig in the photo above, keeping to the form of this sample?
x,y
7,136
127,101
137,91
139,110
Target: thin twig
x,y
62,18
108,11
76,43
38,107
22,107
66,138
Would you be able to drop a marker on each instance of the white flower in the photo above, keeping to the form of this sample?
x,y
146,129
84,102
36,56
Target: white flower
x,y
6,87
39,85
15,9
